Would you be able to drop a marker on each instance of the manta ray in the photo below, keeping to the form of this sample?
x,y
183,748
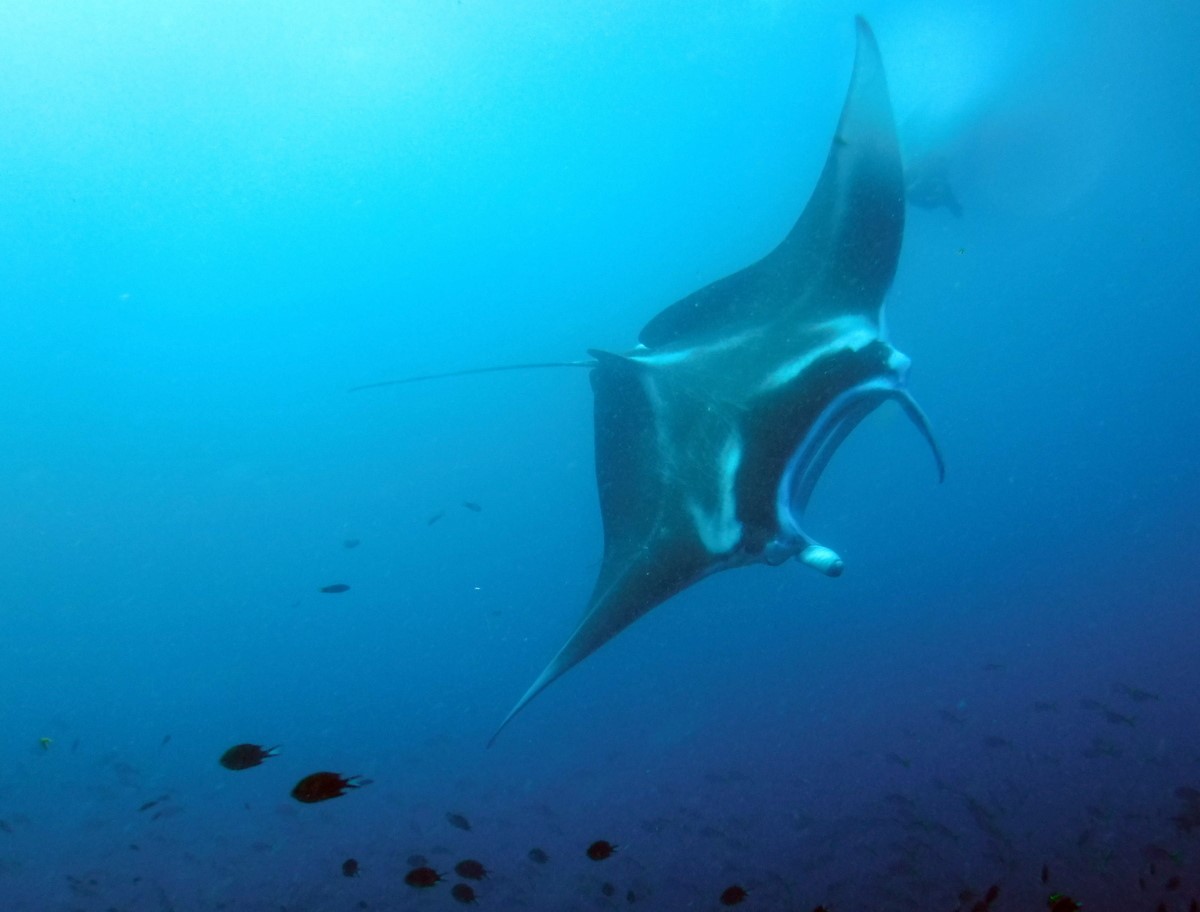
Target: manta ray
x,y
712,432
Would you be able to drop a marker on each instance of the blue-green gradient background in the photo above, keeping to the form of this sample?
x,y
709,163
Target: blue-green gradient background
x,y
215,218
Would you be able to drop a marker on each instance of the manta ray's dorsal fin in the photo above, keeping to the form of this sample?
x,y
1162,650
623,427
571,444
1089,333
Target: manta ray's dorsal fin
x,y
839,258
472,370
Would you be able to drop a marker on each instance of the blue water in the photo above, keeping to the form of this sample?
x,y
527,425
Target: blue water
x,y
216,218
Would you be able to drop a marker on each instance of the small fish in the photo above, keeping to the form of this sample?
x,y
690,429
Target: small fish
x,y
416,861
350,867
6,827
993,666
1059,903
1116,718
323,786
1045,873
470,869
435,517
153,803
992,894
458,820
537,856
169,811
1136,694
165,741
45,743
333,588
463,893
951,717
733,895
630,897
244,756
422,878
1044,706
1174,882
351,543
600,850
1101,748
995,742
899,761
472,506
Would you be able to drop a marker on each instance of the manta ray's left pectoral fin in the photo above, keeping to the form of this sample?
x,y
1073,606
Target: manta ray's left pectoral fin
x,y
921,421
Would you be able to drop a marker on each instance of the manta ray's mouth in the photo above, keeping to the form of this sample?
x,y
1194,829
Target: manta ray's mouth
x,y
841,416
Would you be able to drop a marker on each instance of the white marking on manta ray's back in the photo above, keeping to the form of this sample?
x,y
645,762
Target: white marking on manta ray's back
x,y
664,358
663,437
852,333
719,529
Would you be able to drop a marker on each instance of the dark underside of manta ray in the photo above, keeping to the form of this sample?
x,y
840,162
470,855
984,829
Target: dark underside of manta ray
x,y
713,431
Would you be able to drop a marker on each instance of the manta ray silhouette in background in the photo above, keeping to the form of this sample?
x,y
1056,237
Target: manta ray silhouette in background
x,y
929,186
711,434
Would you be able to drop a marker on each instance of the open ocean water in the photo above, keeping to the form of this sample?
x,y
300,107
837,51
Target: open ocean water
x,y
216,218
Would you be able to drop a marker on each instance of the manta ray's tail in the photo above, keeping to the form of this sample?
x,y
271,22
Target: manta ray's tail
x,y
472,370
